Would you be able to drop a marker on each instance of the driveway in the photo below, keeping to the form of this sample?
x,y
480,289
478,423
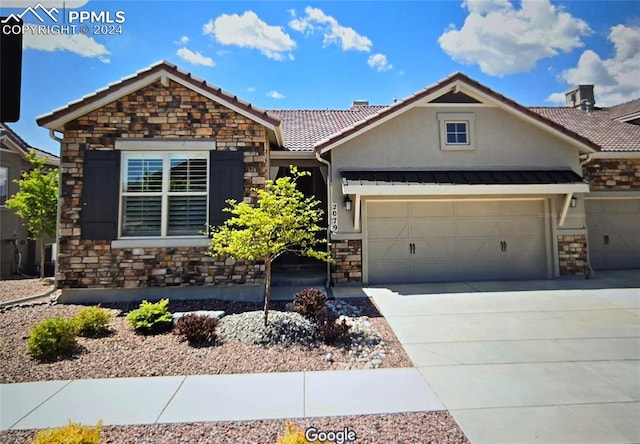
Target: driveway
x,y
542,361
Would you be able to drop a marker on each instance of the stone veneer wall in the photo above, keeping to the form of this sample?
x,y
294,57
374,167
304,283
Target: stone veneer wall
x,y
348,257
152,112
572,255
613,174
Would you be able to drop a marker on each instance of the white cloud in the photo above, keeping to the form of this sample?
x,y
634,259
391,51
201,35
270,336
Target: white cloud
x,y
249,31
195,58
503,40
616,78
183,40
379,62
251,89
333,32
275,95
76,43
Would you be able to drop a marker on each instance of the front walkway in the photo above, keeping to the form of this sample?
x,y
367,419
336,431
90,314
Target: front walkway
x,y
516,362
176,399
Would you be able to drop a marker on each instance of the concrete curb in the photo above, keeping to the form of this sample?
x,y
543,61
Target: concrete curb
x,y
27,299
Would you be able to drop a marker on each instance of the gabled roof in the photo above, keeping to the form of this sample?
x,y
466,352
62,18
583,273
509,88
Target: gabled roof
x,y
454,81
302,129
597,126
623,111
159,71
20,145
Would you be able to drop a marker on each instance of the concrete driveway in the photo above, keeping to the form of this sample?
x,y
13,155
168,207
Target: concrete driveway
x,y
515,362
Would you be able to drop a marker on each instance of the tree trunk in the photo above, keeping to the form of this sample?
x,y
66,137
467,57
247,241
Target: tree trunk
x,y
267,289
41,259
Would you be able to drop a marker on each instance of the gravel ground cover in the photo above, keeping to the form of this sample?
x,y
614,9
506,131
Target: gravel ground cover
x,y
16,287
124,353
417,428
371,344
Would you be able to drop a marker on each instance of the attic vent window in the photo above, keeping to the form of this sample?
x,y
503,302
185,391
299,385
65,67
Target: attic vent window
x,y
457,131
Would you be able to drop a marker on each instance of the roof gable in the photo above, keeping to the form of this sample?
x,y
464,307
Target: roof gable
x,y
443,91
11,141
162,71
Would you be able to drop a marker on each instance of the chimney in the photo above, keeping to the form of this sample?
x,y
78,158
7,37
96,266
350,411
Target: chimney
x,y
581,96
359,103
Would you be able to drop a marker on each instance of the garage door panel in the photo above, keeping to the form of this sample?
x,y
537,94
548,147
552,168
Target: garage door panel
x,y
481,270
433,209
391,272
387,209
434,249
389,250
389,229
477,209
533,226
473,248
614,233
522,208
474,227
524,248
433,272
429,228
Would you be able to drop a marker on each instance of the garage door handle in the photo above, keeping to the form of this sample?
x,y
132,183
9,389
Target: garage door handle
x,y
412,248
503,246
606,239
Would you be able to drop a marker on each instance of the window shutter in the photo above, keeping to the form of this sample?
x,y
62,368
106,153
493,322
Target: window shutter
x,y
100,195
226,179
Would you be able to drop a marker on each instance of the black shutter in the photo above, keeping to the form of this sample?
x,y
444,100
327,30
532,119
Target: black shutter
x,y
100,195
226,181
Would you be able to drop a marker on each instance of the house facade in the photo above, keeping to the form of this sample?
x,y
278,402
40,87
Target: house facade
x,y
456,182
18,254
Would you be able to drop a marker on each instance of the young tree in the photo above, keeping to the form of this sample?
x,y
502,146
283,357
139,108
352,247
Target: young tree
x,y
284,220
36,203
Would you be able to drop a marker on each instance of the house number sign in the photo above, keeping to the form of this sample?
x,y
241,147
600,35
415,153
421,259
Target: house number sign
x,y
334,217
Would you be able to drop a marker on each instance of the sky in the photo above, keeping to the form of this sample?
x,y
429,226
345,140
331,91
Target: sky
x,y
326,54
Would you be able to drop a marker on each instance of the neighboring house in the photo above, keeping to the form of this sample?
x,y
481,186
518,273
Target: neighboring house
x,y
13,234
455,182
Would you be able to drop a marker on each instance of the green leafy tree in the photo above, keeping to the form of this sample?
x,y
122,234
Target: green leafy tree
x,y
36,203
282,221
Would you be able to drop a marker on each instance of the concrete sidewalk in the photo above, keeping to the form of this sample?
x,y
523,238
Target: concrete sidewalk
x,y
177,399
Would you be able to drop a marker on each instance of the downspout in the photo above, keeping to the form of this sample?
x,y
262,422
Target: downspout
x,y
329,200
52,135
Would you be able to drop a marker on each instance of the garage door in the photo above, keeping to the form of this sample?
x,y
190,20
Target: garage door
x,y
453,241
614,233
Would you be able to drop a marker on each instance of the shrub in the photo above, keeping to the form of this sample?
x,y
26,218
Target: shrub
x,y
295,435
151,318
310,303
70,434
52,338
332,329
197,329
92,322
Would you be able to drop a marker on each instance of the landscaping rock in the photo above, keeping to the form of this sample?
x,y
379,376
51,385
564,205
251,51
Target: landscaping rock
x,y
216,314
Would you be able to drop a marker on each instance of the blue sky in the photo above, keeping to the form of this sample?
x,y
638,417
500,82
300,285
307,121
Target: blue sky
x,y
325,54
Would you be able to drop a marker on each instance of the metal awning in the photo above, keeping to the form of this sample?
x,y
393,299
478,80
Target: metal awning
x,y
405,183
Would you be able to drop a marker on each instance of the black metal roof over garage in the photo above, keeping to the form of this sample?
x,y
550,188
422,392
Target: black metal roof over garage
x,y
501,177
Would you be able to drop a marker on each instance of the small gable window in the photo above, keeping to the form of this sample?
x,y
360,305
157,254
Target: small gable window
x,y
456,131
4,185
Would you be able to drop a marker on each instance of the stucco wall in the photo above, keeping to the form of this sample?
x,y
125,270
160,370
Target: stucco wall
x,y
154,112
412,141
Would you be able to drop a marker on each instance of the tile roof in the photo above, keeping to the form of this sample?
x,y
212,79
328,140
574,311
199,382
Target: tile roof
x,y
6,131
625,109
441,86
185,76
516,177
597,126
302,129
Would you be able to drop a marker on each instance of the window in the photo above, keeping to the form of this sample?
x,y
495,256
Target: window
x,y
456,131
4,185
164,194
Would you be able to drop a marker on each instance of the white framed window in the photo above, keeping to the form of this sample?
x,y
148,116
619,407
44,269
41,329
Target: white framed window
x,y
4,185
457,131
164,194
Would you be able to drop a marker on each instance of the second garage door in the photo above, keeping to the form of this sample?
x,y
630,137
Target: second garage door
x,y
454,241
614,233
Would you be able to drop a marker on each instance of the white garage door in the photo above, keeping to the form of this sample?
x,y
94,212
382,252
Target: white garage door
x,y
614,233
454,241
